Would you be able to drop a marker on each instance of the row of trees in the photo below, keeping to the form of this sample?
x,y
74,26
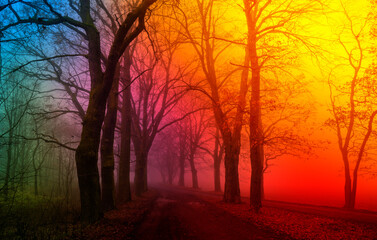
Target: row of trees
x,y
126,87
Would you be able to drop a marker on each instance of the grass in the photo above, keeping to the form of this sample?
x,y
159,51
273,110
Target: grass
x,y
26,216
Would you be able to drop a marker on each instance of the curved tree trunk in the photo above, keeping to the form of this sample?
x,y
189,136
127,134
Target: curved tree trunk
x,y
86,159
101,83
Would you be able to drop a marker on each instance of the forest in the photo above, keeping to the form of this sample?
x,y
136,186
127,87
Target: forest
x,y
178,119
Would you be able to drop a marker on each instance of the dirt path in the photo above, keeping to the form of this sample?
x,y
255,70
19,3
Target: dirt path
x,y
181,215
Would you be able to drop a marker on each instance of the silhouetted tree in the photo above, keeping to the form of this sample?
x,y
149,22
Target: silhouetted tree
x,y
199,27
124,186
264,20
352,121
101,78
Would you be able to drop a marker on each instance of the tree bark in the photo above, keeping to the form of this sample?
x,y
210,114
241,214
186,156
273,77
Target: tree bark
x,y
36,169
217,178
231,160
359,158
140,180
141,171
87,151
107,147
194,172
255,123
9,163
86,159
124,186
182,157
347,182
256,139
218,154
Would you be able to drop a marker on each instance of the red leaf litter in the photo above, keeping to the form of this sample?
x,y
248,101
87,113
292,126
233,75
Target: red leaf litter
x,y
299,225
121,222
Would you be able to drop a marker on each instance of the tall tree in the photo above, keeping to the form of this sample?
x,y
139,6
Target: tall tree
x,y
182,143
217,157
201,34
124,186
197,126
266,19
107,147
157,92
352,121
101,78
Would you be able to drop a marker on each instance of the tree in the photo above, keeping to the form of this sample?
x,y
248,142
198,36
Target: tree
x,y
201,34
101,78
165,153
197,126
15,107
107,147
156,93
124,186
264,20
217,157
352,106
182,143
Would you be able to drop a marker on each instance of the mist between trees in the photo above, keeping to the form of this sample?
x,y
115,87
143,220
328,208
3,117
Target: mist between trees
x,y
100,97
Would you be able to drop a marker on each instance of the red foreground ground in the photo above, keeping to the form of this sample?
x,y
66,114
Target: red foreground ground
x,y
179,213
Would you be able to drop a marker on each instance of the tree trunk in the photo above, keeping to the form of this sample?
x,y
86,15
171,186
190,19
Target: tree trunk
x,y
218,154
36,183
181,181
194,172
347,193
170,178
182,156
256,143
9,163
347,183
255,123
232,150
124,186
353,193
231,159
101,83
216,166
107,147
145,173
86,159
60,172
262,185
140,170
36,169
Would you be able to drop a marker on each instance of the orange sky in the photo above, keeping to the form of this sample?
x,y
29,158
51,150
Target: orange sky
x,y
319,179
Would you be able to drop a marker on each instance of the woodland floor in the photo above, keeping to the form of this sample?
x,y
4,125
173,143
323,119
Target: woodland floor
x,y
180,213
